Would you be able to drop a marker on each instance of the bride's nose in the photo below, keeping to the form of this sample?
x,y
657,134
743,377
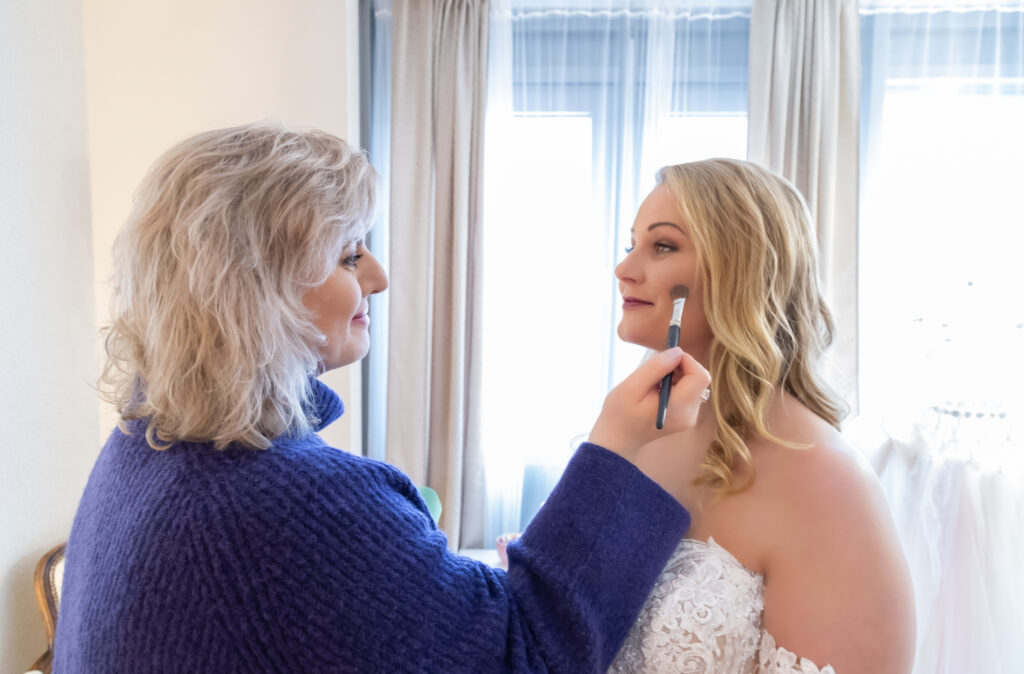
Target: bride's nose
x,y
628,271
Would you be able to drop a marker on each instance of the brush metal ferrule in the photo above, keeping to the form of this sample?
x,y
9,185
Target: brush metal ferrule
x,y
677,311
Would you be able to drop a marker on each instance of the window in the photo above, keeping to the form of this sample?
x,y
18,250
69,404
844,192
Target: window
x,y
942,288
585,106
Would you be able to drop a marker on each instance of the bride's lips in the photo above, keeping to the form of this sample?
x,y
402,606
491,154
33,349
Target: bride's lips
x,y
635,303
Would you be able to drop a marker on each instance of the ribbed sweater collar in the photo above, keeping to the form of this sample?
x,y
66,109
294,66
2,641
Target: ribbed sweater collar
x,y
326,403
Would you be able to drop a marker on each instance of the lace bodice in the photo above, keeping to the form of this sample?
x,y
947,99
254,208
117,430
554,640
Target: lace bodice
x,y
704,617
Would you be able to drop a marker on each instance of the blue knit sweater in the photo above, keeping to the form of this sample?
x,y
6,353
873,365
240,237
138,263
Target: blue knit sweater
x,y
304,558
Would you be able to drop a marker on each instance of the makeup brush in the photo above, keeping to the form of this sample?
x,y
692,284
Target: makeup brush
x,y
679,294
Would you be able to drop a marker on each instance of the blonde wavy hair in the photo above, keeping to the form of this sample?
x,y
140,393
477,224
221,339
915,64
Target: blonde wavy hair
x,y
209,339
753,235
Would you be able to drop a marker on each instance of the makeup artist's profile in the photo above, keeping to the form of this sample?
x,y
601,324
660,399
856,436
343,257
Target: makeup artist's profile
x,y
219,533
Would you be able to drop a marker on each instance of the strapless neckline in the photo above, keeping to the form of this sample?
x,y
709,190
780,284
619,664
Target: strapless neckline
x,y
704,616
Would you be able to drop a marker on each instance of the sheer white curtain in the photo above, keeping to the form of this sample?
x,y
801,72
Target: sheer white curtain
x,y
587,99
943,136
942,313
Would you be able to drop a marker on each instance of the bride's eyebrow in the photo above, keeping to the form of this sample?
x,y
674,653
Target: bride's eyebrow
x,y
666,224
632,231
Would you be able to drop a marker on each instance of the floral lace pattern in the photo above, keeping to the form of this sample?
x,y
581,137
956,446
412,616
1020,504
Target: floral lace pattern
x,y
772,659
704,617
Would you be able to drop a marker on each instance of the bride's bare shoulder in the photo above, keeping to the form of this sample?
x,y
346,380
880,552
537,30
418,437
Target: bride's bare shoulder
x,y
816,461
817,491
836,584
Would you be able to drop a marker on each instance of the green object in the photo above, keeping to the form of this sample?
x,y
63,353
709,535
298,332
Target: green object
x,y
433,502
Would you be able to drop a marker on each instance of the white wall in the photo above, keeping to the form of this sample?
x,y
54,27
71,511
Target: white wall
x,y
161,70
143,75
48,421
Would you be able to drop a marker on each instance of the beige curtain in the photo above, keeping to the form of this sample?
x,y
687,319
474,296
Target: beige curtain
x,y
804,115
439,70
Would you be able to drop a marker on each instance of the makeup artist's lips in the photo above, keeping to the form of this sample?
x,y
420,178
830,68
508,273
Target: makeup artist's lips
x,y
361,317
634,303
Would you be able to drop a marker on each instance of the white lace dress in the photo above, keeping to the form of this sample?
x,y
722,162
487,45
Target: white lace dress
x,y
704,617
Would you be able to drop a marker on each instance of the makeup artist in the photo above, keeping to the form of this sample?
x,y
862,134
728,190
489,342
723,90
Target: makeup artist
x,y
218,533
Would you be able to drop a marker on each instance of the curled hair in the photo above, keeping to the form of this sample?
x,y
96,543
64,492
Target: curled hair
x,y
753,236
209,339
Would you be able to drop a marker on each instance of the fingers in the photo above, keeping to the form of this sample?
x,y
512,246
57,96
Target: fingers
x,y
627,419
687,395
650,372
689,381
695,379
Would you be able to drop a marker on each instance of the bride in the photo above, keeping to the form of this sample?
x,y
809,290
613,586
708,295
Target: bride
x,y
791,563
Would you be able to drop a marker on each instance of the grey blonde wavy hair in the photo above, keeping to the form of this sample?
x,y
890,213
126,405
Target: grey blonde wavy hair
x,y
754,240
209,339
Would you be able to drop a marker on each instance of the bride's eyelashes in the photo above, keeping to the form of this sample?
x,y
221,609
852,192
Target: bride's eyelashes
x,y
659,247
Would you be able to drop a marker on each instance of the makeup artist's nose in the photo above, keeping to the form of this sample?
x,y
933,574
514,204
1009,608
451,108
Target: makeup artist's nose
x,y
375,279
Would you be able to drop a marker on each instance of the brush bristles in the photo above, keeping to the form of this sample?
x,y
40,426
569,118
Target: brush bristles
x,y
680,292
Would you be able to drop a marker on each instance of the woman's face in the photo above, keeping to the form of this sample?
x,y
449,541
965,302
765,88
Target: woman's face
x,y
661,255
341,306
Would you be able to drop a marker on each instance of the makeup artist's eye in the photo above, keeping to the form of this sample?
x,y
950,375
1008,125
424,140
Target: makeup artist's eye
x,y
349,262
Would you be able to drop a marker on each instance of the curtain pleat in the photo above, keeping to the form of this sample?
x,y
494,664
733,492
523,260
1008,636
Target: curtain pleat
x,y
439,69
803,124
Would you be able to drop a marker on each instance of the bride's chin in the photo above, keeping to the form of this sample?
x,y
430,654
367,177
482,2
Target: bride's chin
x,y
640,340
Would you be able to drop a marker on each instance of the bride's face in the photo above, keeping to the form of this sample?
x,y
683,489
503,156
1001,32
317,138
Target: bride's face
x,y
661,255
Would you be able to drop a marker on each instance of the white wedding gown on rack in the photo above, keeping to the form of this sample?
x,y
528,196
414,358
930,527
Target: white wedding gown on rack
x,y
704,617
955,486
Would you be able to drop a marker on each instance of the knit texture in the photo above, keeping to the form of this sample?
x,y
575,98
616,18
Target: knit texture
x,y
304,558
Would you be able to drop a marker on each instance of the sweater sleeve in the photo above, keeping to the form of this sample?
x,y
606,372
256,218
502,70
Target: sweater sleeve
x,y
588,560
358,579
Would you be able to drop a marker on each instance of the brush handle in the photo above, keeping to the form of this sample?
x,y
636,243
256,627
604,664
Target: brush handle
x,y
666,381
